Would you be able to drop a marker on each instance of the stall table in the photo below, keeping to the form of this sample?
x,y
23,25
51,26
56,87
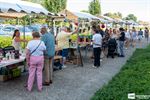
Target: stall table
x,y
5,63
11,64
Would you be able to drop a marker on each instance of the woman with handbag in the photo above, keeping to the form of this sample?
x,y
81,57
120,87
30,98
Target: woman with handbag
x,y
35,60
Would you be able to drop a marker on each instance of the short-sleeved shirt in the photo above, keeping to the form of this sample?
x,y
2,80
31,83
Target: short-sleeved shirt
x,y
33,44
97,40
140,33
63,39
146,33
127,35
49,42
122,37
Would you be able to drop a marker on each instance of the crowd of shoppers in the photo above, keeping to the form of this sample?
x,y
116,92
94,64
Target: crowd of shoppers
x,y
40,51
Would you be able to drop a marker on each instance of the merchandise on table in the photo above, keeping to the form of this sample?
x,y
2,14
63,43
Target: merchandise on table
x,y
82,37
7,73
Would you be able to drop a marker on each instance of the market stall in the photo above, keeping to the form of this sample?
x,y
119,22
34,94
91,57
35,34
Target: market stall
x,y
83,37
16,9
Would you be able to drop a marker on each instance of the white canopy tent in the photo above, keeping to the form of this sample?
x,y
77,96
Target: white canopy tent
x,y
108,18
88,16
19,9
22,7
8,6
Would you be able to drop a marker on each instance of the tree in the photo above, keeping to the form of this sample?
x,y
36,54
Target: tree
x,y
85,11
108,14
55,5
95,7
114,15
117,15
35,1
131,17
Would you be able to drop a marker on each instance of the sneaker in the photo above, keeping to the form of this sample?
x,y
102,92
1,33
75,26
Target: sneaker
x,y
94,66
64,66
101,60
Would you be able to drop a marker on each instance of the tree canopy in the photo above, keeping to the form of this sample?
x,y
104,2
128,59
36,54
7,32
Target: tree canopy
x,y
86,11
114,15
55,5
95,7
131,17
35,1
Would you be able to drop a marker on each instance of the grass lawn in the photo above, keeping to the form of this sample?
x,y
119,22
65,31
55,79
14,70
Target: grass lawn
x,y
134,77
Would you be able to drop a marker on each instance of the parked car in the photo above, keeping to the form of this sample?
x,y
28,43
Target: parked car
x,y
1,27
8,30
35,27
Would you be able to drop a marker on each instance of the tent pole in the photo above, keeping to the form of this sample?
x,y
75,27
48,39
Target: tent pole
x,y
52,26
24,32
79,56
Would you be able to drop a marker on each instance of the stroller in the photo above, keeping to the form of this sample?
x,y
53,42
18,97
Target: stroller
x,y
112,48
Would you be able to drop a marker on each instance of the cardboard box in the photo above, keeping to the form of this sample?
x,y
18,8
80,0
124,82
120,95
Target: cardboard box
x,y
3,78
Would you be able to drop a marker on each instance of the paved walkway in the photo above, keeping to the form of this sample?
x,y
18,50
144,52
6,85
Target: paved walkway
x,y
72,83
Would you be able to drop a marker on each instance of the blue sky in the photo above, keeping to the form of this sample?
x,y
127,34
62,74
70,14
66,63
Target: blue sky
x,y
141,8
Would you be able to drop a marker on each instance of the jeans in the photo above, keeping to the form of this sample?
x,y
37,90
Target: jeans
x,y
121,47
97,53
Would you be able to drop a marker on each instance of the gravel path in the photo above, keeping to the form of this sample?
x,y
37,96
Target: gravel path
x,y
72,83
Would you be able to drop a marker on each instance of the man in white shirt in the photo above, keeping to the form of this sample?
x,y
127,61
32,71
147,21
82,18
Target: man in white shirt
x,y
97,44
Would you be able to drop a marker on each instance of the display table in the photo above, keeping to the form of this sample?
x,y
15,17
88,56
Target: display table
x,y
11,68
5,63
72,48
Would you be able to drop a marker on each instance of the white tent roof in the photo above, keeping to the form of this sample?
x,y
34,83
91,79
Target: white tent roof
x,y
108,18
129,22
6,6
30,7
21,6
87,16
81,15
94,17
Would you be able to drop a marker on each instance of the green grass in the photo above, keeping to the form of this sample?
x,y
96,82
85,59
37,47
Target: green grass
x,y
134,77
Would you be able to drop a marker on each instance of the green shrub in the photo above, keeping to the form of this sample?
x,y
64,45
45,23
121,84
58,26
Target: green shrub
x,y
7,41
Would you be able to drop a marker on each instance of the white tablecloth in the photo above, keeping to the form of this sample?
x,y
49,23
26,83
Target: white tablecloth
x,y
11,62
